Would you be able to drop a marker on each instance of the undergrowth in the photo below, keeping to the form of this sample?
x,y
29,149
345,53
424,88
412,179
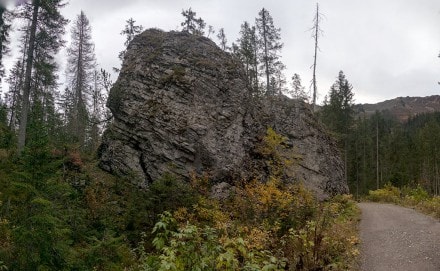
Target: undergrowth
x,y
58,211
417,198
261,225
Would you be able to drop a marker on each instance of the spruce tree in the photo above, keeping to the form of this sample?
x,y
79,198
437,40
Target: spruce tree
x,y
27,79
130,30
45,37
338,109
269,48
338,112
100,115
13,96
81,67
5,26
16,81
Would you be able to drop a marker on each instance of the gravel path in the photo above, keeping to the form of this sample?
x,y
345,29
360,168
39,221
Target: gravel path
x,y
398,238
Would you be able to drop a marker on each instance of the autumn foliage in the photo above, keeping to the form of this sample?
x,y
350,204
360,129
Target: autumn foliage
x,y
261,226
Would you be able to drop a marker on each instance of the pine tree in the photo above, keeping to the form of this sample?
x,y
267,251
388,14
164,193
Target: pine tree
x,y
269,47
279,86
247,52
297,91
45,37
193,25
81,67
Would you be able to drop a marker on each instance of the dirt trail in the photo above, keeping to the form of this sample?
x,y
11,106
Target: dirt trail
x,y
397,238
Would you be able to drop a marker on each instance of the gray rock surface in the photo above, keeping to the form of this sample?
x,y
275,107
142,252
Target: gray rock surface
x,y
181,106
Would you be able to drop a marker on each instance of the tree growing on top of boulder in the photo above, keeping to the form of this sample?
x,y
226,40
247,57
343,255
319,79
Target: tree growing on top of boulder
x,y
247,51
192,24
270,46
222,38
129,32
297,91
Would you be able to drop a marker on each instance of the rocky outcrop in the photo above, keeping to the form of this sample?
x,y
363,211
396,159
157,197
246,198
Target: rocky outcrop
x,y
181,106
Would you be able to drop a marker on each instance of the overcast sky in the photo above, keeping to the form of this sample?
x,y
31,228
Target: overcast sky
x,y
386,48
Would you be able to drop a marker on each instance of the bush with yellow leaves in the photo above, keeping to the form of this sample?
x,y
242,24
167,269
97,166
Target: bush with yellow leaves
x,y
388,193
263,225
412,197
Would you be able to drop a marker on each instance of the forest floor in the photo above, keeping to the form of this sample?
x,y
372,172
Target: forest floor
x,y
398,238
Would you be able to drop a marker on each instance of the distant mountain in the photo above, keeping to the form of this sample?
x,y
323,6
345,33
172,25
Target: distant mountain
x,y
402,107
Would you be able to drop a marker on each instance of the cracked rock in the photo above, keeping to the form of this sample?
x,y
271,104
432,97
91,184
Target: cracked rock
x,y
181,105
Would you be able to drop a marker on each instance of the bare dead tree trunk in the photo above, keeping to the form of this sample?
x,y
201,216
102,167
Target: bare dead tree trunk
x,y
27,79
316,33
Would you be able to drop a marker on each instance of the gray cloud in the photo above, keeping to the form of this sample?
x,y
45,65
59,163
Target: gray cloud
x,y
386,48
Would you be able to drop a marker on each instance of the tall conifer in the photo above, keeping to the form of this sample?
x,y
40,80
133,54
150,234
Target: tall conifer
x,y
81,67
269,49
45,37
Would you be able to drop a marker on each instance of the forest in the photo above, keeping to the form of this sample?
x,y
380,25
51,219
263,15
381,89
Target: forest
x,y
380,149
59,211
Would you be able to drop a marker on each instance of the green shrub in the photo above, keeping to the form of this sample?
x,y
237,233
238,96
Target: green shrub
x,y
214,236
415,195
329,241
411,197
190,247
389,194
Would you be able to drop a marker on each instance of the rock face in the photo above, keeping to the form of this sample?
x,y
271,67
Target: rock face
x,y
181,106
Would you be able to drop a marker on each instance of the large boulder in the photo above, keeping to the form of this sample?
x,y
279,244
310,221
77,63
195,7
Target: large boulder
x,y
181,105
